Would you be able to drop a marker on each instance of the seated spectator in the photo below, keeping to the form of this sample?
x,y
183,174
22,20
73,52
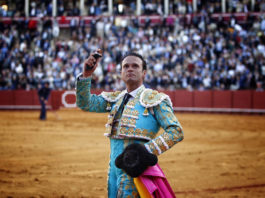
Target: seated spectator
x,y
203,54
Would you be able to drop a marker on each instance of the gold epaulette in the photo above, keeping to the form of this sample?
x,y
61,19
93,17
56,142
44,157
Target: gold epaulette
x,y
150,98
112,96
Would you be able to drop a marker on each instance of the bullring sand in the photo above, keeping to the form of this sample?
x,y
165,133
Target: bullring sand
x,y
222,155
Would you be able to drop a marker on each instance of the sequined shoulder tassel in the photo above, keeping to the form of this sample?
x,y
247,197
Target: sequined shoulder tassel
x,y
108,106
145,112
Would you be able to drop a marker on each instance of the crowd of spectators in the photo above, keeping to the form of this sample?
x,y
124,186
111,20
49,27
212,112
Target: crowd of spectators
x,y
38,8
200,55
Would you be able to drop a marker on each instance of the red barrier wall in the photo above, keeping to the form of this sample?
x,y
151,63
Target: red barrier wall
x,y
56,97
7,97
23,97
258,100
202,99
36,100
183,98
222,99
243,99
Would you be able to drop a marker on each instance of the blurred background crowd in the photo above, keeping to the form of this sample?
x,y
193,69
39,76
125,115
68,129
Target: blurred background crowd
x,y
39,8
200,53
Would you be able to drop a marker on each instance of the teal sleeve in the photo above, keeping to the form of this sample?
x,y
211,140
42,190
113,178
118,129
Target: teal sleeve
x,y
87,101
172,134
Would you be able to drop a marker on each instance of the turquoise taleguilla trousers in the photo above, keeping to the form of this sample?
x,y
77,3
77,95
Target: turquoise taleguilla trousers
x,y
120,185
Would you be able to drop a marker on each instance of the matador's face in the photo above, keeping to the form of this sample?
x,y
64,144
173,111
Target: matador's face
x,y
132,70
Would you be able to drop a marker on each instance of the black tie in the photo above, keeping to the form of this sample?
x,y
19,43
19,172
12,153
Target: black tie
x,y
125,101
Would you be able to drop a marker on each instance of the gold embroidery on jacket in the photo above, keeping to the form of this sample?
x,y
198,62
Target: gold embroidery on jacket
x,y
130,112
159,142
153,148
168,139
137,133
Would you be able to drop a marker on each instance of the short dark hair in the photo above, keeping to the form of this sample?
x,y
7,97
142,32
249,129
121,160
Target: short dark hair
x,y
137,55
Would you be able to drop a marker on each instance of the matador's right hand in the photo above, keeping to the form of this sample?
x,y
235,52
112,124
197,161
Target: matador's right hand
x,y
91,63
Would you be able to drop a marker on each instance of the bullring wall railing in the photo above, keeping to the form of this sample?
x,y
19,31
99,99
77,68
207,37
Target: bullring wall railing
x,y
241,101
65,21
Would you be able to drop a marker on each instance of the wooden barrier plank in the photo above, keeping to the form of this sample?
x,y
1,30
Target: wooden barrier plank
x,y
242,99
202,99
23,97
56,99
183,98
258,100
7,97
222,99
36,100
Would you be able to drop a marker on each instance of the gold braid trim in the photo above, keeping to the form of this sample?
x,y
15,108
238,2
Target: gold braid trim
x,y
150,98
112,96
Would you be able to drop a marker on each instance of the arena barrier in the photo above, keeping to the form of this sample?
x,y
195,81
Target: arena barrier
x,y
241,101
65,21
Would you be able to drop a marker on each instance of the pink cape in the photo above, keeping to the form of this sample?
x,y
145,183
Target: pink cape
x,y
152,183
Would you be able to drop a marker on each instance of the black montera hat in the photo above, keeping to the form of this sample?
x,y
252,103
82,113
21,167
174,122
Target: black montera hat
x,y
135,159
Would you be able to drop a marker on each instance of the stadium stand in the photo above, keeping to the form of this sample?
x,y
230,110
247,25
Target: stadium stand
x,y
206,50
